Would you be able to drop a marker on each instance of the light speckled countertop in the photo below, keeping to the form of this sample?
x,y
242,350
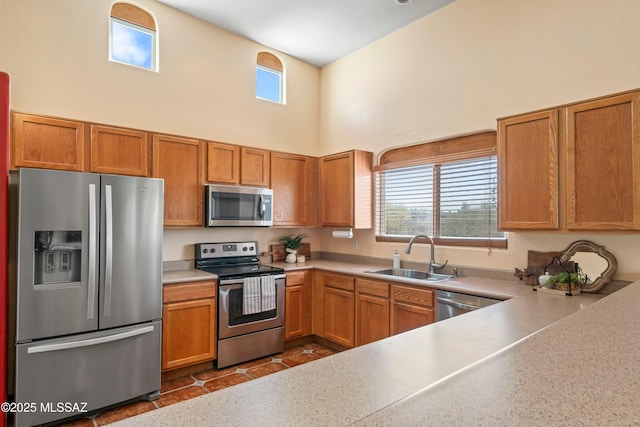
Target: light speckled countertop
x,y
535,359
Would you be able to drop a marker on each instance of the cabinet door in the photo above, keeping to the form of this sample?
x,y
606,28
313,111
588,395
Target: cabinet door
x,y
373,311
179,161
47,143
294,182
223,163
406,317
336,190
298,305
119,151
294,314
254,167
603,164
528,171
412,307
188,332
372,318
345,186
339,316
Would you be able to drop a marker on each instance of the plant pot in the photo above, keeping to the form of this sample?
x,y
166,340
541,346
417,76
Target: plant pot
x,y
291,256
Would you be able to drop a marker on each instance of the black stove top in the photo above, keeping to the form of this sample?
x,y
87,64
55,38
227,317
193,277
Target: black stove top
x,y
233,271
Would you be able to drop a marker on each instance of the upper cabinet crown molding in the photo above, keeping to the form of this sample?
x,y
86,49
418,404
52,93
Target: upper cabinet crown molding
x,y
593,176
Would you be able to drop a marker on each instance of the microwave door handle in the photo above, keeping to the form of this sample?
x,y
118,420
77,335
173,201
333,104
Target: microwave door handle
x,y
263,207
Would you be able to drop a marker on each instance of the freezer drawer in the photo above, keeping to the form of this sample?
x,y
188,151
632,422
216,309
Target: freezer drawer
x,y
99,369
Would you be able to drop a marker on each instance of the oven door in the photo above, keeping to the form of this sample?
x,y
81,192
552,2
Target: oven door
x,y
231,321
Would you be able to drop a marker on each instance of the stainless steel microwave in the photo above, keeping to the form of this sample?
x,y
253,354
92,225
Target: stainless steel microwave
x,y
237,206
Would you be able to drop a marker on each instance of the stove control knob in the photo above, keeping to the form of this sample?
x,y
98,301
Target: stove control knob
x,y
244,248
205,250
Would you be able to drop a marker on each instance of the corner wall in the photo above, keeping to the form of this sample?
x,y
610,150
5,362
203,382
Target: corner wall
x,y
459,69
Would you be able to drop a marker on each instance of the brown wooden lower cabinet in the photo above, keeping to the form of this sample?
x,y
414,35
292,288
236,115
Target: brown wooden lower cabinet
x,y
354,311
188,324
297,305
373,311
411,308
339,317
336,304
407,317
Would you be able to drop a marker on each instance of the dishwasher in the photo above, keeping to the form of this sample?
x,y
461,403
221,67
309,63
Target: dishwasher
x,y
450,304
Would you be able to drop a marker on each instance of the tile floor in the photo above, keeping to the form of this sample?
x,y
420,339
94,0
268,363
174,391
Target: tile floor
x,y
183,388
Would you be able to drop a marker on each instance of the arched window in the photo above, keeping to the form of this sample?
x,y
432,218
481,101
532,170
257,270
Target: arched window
x,y
132,38
269,78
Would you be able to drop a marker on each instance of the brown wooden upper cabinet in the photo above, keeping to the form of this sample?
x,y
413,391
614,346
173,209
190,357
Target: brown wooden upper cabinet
x,y
603,164
180,162
119,151
345,190
233,164
223,163
528,171
574,167
294,180
48,143
254,167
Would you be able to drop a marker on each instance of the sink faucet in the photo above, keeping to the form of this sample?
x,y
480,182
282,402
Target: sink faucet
x,y
433,265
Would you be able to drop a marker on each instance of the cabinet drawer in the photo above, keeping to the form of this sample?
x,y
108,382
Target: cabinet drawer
x,y
187,291
423,297
370,287
339,281
296,278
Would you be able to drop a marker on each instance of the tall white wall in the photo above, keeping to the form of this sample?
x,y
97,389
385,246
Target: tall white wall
x,y
57,55
459,69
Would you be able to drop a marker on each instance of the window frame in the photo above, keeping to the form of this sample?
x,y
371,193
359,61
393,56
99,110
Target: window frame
x,y
436,154
270,63
136,18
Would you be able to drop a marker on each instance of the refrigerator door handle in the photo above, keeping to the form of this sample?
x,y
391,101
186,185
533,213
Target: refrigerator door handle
x,y
108,275
93,239
89,342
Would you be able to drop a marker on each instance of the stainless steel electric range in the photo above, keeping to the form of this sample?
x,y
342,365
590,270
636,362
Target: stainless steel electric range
x,y
250,301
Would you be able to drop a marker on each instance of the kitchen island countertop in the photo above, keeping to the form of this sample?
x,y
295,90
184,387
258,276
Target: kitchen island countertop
x,y
536,358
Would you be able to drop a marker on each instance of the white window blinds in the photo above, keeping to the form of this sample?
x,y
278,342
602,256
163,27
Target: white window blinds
x,y
456,200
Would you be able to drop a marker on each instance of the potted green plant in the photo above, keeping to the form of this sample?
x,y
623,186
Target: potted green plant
x,y
292,244
565,281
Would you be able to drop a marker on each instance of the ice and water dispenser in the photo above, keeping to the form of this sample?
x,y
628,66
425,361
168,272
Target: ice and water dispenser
x,y
57,257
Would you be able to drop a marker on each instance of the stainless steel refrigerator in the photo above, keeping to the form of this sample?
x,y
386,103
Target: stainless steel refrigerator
x,y
86,283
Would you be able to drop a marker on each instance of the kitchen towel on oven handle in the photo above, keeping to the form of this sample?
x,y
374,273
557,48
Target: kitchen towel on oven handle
x,y
268,291
251,295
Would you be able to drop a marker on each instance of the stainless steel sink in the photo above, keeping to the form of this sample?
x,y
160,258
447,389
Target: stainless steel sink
x,y
412,274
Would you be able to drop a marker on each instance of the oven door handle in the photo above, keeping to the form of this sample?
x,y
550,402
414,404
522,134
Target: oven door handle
x,y
240,281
